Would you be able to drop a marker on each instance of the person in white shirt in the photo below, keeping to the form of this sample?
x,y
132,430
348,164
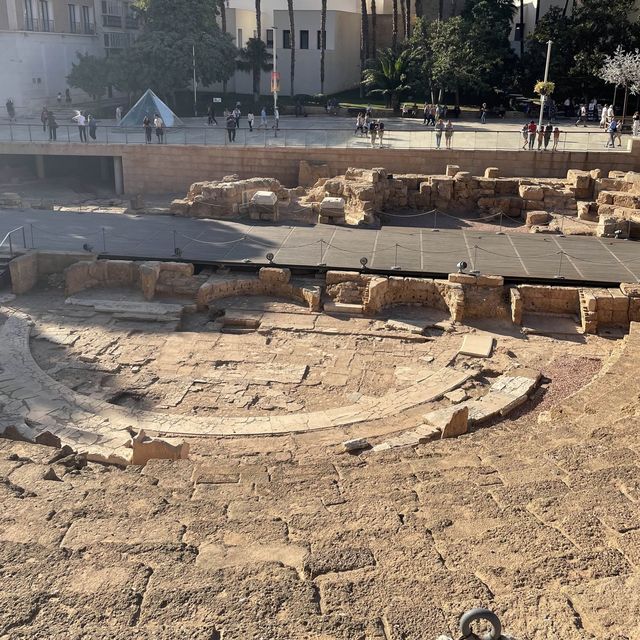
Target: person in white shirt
x,y
118,114
82,125
583,116
158,123
610,113
250,118
276,118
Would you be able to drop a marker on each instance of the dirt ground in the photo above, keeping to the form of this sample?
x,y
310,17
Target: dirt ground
x,y
534,516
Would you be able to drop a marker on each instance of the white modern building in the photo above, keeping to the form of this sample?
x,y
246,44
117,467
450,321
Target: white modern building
x,y
40,40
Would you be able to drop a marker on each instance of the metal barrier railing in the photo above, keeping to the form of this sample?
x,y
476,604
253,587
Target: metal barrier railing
x,y
465,136
8,239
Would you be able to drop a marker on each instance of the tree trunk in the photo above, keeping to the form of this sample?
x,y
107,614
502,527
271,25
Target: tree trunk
x,y
323,42
407,25
374,20
223,26
457,105
440,9
419,10
292,42
256,84
394,27
537,11
258,20
403,14
522,25
364,41
624,105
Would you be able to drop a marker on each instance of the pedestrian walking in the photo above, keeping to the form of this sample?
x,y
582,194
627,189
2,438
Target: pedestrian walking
x,y
11,110
276,118
211,115
367,125
448,133
582,116
147,125
250,118
611,131
548,131
540,135
610,113
237,114
92,124
118,114
53,127
81,121
636,124
67,96
373,131
359,125
531,132
618,134
59,98
439,130
525,135
231,127
380,132
425,113
603,117
483,113
158,123
263,118
44,116
556,138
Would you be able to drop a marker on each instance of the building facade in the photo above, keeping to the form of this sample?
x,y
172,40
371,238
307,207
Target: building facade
x,y
40,40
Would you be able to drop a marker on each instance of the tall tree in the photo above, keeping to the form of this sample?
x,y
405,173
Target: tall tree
x,y
323,42
522,25
403,12
374,20
394,26
91,74
222,6
292,42
389,77
407,24
258,20
254,58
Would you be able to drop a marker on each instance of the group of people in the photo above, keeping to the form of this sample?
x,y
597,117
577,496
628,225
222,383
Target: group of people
x,y
431,113
543,134
149,124
85,121
370,128
233,118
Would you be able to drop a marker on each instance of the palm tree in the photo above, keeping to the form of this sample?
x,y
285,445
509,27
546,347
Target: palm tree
x,y
403,11
407,24
323,42
374,19
292,44
258,20
394,32
389,77
364,33
254,58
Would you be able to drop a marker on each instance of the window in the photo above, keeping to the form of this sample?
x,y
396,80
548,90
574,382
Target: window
x,y
304,39
47,25
240,41
319,45
286,39
29,22
269,38
87,26
73,21
116,40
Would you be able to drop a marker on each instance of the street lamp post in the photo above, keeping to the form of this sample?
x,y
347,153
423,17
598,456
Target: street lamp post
x,y
274,79
546,77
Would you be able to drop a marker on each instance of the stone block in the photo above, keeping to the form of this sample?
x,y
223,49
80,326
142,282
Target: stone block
x,y
146,448
531,192
489,281
119,273
537,217
492,172
149,273
274,275
425,188
443,187
587,211
332,206
451,170
24,272
462,278
180,207
357,444
458,423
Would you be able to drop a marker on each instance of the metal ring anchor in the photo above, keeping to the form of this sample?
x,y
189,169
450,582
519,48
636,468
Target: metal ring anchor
x,y
480,614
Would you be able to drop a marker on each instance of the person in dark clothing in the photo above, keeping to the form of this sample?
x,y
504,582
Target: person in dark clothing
x,y
211,115
11,110
231,127
548,130
148,126
92,125
53,126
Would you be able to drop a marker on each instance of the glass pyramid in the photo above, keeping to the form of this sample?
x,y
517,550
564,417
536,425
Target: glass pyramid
x,y
149,104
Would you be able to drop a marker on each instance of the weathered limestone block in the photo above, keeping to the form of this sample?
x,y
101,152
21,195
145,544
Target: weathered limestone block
x,y
149,273
537,217
458,423
507,186
451,170
443,187
274,275
119,273
627,200
462,278
180,207
516,306
183,268
310,172
531,192
587,211
608,226
492,172
146,448
24,272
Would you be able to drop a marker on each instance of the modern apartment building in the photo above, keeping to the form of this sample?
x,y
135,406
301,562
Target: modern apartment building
x,y
40,39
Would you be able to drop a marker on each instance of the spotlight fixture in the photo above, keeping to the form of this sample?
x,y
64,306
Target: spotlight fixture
x,y
462,265
177,252
270,257
363,262
87,247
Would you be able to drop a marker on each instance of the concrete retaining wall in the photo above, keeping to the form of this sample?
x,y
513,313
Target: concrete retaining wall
x,y
171,168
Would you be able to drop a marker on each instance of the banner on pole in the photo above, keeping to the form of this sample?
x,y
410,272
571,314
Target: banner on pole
x,y
275,82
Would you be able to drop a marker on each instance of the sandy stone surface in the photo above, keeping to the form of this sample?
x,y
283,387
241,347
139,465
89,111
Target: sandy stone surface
x,y
534,516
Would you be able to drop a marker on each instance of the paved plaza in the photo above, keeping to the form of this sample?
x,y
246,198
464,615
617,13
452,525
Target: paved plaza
x,y
325,132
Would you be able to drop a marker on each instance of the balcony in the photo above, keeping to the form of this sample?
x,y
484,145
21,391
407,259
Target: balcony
x,y
111,21
131,22
33,24
86,28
